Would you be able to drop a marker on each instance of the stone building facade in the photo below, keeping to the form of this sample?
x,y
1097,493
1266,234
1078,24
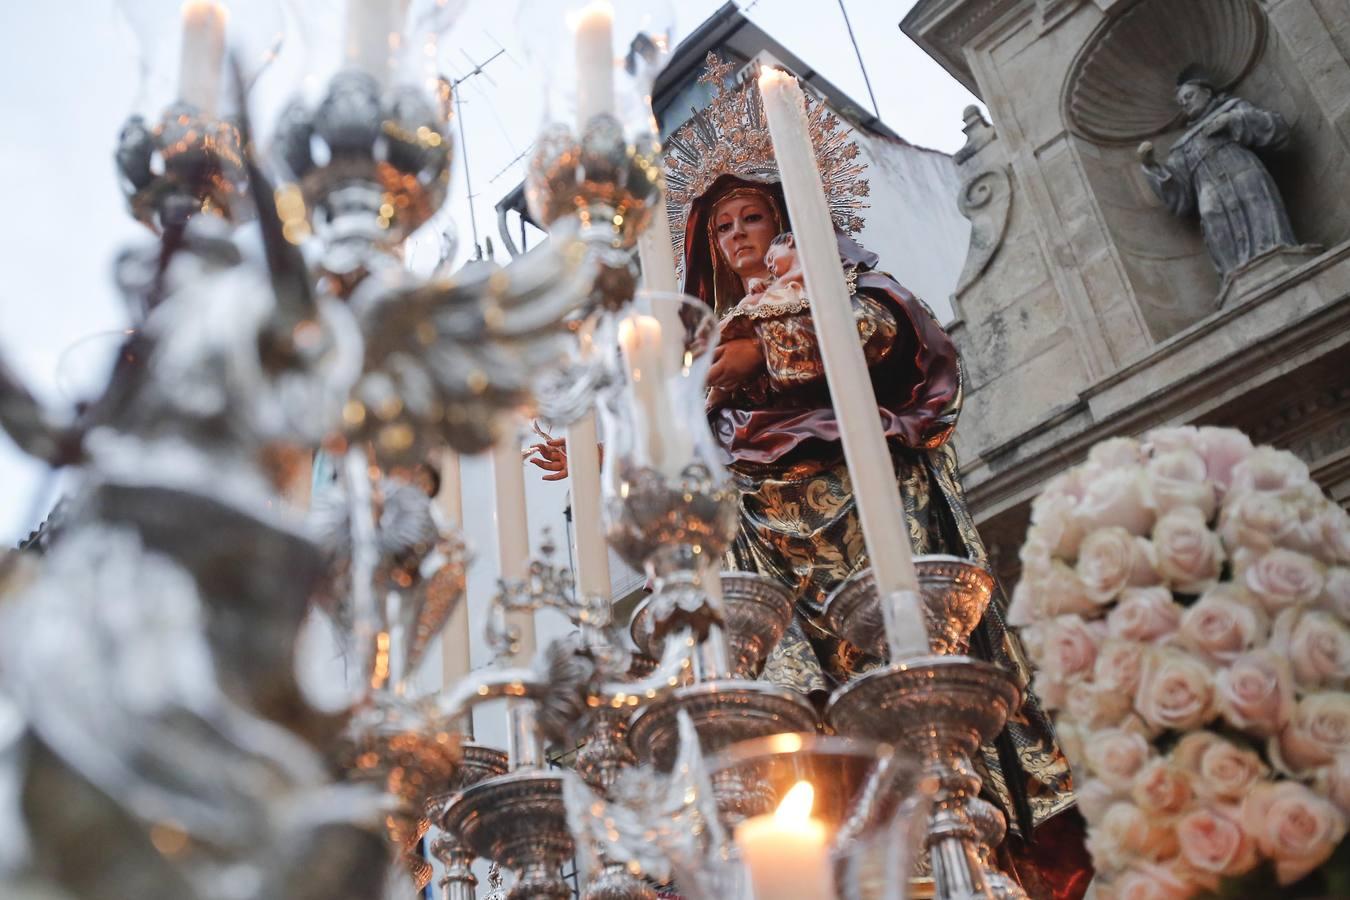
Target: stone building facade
x,y
1086,309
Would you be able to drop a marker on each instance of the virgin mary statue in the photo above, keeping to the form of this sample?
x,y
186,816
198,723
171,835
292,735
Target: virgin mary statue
x,y
771,412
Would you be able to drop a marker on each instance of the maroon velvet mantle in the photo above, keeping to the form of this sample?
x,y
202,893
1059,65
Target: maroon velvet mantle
x,y
918,387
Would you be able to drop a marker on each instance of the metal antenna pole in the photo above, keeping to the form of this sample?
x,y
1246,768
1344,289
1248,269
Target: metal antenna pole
x,y
464,144
867,81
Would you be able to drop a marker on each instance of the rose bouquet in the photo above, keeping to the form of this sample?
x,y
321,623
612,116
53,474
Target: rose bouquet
x,y
1186,601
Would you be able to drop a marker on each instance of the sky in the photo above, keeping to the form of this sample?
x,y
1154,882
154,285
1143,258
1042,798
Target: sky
x,y
72,72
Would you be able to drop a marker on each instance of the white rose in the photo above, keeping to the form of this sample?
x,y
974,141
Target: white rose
x,y
1283,578
1126,834
1054,520
1171,439
1115,756
1317,645
1221,628
1336,592
1118,665
1116,497
1048,591
1258,522
1065,648
1115,453
1334,523
1292,826
1189,555
1144,614
1095,798
1256,692
1333,782
1176,690
1112,559
1177,478
1317,734
1212,840
1143,881
1092,706
1226,772
1161,788
1277,472
1223,449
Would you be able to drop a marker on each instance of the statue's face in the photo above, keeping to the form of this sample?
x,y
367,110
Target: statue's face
x,y
1194,99
743,226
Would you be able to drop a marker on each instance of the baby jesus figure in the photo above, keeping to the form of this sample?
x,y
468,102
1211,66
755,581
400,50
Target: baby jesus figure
x,y
777,315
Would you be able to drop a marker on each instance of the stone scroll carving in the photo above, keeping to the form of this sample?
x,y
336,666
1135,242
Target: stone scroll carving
x,y
985,199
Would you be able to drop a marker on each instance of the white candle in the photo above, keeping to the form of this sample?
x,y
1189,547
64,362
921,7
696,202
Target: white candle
x,y
374,31
455,663
869,460
583,465
658,275
668,449
788,853
203,54
513,528
594,28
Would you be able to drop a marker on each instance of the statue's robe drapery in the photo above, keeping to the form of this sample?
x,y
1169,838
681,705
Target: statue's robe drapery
x,y
1220,179
799,526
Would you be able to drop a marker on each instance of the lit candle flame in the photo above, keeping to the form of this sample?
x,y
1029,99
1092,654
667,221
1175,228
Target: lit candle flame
x,y
796,804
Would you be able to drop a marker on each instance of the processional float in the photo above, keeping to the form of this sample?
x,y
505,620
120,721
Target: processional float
x,y
154,741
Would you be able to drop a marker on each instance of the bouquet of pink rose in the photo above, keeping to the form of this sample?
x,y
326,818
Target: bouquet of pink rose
x,y
1186,601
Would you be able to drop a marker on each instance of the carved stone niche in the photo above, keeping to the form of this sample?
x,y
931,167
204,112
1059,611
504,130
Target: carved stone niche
x,y
1120,90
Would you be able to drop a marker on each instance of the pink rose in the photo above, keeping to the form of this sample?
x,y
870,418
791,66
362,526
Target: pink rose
x,y
1317,733
1144,614
1256,692
1094,798
1221,628
1277,472
1161,788
1223,770
1176,479
1065,647
1176,690
1114,756
1333,782
1126,834
1143,881
1213,841
1292,826
1048,591
1257,521
1317,645
1223,449
1283,578
1336,592
1118,666
1116,497
1112,559
1092,706
1190,556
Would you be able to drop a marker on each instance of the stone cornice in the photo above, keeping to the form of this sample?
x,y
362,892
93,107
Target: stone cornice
x,y
944,28
1008,475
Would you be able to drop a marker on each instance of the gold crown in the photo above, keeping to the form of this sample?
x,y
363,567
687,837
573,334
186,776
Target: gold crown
x,y
731,137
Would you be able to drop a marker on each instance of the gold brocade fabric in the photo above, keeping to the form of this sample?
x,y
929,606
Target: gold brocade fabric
x,y
799,526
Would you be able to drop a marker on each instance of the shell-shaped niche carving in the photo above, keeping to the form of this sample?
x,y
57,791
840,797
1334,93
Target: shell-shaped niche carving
x,y
1122,86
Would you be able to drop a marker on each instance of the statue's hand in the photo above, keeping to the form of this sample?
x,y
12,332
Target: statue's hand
x,y
1218,125
734,362
1147,159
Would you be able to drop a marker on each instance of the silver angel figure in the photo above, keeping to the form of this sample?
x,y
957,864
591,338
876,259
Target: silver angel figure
x,y
1214,172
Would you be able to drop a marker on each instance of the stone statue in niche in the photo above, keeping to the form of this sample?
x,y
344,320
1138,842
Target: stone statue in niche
x,y
1213,171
